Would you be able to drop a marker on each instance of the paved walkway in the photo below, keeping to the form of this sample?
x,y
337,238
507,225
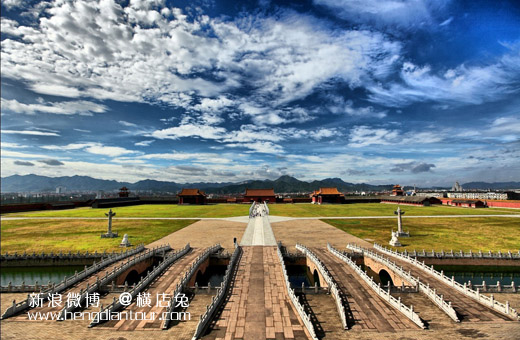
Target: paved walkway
x,y
164,284
258,306
369,311
258,231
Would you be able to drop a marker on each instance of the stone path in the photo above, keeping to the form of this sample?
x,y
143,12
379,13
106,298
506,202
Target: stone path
x,y
259,306
258,231
164,284
369,311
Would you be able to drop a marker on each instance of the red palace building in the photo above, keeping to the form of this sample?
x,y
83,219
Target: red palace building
x,y
327,195
192,196
259,195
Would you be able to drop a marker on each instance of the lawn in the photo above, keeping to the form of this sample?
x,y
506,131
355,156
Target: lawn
x,y
291,210
66,235
148,210
374,209
475,233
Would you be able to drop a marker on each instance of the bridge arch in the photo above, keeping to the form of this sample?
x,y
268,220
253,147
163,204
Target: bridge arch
x,y
316,278
385,277
378,268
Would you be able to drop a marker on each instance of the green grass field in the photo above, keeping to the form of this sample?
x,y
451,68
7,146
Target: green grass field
x,y
291,210
475,233
66,235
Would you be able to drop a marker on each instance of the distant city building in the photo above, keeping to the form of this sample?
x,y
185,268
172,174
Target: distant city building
x,y
491,195
100,194
192,196
60,190
456,187
431,194
397,190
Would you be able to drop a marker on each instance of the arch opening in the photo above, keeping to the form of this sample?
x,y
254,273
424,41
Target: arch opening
x,y
133,277
316,278
385,277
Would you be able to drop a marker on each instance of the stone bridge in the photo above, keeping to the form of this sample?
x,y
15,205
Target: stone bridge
x,y
384,272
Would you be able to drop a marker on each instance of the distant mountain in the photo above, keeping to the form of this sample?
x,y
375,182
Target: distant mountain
x,y
491,186
35,183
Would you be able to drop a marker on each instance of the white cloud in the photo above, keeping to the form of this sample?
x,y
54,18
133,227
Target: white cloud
x,y
16,154
260,147
403,13
80,107
93,148
10,4
190,130
143,53
144,143
12,145
127,124
463,84
30,132
321,133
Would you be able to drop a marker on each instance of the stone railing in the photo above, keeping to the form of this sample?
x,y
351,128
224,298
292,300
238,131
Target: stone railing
x,y
211,309
423,288
23,288
116,305
109,277
462,255
251,209
396,303
498,288
185,279
70,281
55,256
464,289
296,303
266,209
340,304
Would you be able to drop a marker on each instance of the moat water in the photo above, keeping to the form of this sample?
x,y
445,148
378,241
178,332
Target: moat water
x,y
29,275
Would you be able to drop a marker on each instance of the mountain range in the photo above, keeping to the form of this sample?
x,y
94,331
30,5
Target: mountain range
x,y
35,183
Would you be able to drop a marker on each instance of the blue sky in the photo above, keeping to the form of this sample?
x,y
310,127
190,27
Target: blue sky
x,y
387,91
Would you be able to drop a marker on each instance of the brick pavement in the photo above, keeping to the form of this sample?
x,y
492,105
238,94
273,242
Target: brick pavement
x,y
259,306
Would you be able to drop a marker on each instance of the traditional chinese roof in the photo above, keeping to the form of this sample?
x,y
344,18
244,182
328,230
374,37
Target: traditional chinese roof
x,y
467,201
259,192
411,199
326,191
329,191
191,192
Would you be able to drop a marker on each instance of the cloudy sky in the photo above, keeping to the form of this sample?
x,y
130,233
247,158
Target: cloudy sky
x,y
377,91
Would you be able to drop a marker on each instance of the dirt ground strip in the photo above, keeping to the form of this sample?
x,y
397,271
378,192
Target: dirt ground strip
x,y
205,233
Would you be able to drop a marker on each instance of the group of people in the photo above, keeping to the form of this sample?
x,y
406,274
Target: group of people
x,y
257,211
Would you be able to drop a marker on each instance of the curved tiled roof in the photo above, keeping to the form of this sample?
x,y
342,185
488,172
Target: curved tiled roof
x,y
191,192
259,192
